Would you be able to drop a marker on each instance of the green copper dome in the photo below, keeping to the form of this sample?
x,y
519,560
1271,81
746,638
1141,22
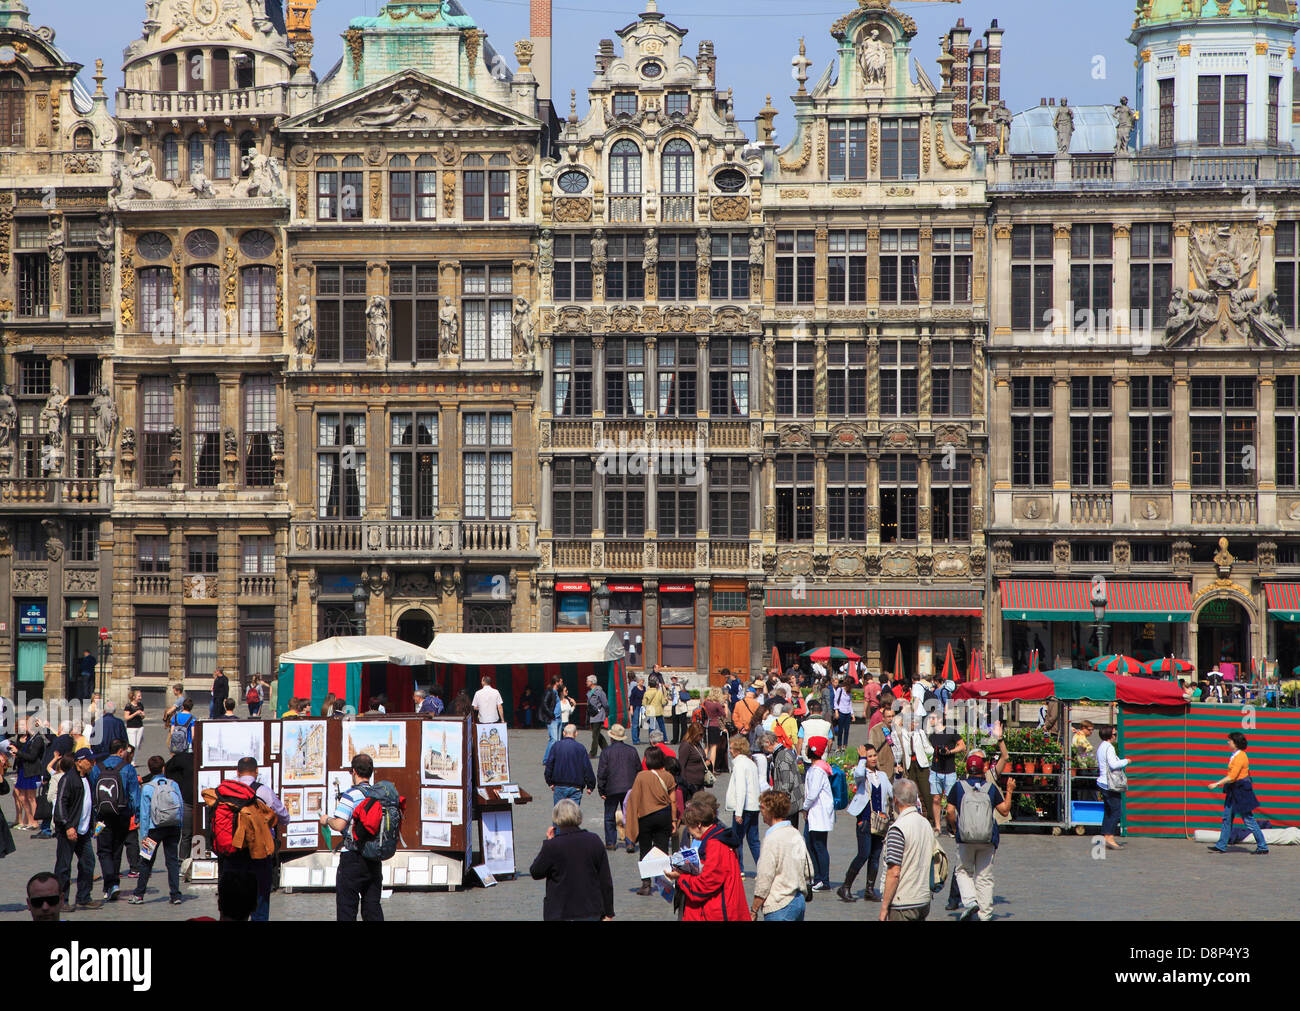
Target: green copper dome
x,y
1153,12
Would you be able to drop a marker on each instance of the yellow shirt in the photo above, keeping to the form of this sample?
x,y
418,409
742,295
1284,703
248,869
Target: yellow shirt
x,y
653,702
1238,766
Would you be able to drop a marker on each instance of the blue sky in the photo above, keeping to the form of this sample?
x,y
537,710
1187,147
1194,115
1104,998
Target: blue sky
x,y
1047,53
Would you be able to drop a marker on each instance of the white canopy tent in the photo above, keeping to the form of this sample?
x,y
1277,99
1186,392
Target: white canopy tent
x,y
359,649
525,648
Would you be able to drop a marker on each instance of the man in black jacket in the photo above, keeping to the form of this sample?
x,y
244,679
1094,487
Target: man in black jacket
x,y
579,885
74,825
568,770
618,767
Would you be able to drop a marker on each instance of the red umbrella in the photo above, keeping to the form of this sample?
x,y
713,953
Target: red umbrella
x,y
776,662
1075,684
1138,691
949,666
976,669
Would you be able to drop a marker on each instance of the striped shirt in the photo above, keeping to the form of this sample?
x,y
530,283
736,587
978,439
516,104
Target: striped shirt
x,y
894,843
348,801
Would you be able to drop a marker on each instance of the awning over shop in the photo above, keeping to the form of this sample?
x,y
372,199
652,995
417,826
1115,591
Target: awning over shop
x,y
1068,600
873,603
1283,601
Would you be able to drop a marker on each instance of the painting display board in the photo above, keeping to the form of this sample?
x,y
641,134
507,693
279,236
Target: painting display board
x,y
428,759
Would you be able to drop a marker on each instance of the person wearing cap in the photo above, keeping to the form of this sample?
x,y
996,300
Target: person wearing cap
x,y
819,802
74,826
975,859
814,726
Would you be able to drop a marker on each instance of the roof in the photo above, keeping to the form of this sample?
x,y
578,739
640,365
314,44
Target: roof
x,y
1172,10
511,648
359,649
1034,131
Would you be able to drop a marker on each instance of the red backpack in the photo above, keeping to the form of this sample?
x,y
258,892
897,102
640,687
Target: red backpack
x,y
232,797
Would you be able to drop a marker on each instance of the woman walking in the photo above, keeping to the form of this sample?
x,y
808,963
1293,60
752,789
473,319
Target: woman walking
x,y
1238,797
134,713
783,866
28,751
871,805
653,702
715,712
743,790
819,802
693,760
717,893
1111,781
651,816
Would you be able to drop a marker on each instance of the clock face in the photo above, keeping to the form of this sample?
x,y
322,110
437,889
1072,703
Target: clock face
x,y
573,182
205,11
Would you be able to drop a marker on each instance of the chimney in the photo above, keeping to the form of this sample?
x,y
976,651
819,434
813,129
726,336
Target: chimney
x,y
982,127
540,33
993,76
959,47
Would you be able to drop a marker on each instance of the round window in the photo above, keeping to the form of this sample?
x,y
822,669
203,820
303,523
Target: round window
x,y
730,180
652,70
154,246
257,244
202,242
8,54
573,182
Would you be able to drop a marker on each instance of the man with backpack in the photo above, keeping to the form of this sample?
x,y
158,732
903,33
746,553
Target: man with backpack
x,y
971,804
115,795
180,738
597,714
162,811
370,819
245,814
783,774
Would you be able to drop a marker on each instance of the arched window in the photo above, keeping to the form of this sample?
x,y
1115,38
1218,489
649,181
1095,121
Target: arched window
x,y
678,167
171,166
193,70
13,111
168,78
221,156
196,160
83,139
220,70
625,168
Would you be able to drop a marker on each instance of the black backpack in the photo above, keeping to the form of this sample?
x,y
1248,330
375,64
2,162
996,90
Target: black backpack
x,y
110,794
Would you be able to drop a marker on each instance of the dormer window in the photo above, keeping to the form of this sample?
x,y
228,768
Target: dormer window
x,y
83,139
625,103
677,103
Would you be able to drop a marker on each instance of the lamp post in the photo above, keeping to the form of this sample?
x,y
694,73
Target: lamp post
x,y
602,603
1099,602
359,598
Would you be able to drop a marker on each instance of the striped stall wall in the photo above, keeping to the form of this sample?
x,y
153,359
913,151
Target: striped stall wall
x,y
1176,754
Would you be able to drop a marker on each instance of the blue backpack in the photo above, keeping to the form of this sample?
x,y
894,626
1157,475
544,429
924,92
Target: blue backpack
x,y
839,788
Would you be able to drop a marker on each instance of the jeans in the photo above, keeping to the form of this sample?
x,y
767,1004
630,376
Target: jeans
x,y
842,723
636,724
573,793
747,831
659,721
1112,799
869,849
358,879
254,710
821,857
613,803
169,840
528,719
1246,819
975,876
83,851
553,731
792,910
109,845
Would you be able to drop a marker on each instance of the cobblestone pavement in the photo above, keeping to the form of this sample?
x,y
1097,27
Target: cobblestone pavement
x,y
1038,877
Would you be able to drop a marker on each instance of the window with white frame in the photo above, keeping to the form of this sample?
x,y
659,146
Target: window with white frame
x,y
487,319
488,466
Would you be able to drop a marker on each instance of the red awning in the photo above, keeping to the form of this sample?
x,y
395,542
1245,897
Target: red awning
x,y
624,587
573,586
1283,600
676,587
873,603
1070,600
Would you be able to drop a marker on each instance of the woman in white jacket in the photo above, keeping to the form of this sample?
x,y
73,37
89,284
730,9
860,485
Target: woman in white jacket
x,y
742,799
819,802
1109,763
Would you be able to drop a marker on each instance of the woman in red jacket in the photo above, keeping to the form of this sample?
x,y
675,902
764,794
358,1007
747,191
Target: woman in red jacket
x,y
717,893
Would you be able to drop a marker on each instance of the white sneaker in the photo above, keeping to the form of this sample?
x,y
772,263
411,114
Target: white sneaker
x,y
819,887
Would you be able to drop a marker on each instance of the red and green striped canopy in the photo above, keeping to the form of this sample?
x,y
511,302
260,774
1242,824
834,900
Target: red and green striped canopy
x,y
822,654
1070,685
1117,663
1069,600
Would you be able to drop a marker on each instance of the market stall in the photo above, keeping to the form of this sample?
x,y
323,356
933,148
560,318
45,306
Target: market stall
x,y
519,660
1054,782
355,668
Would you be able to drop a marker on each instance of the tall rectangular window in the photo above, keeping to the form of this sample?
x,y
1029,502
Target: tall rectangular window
x,y
1031,431
341,313
846,497
846,267
1223,419
678,270
257,300
678,377
1287,271
157,419
1166,86
1274,106
624,377
624,497
950,368
413,305
84,278
951,265
625,271
900,148
572,496
1151,270
257,556
795,484
486,313
898,392
1208,111
573,375
796,267
899,265
498,192
950,500
1286,430
153,555
572,277
83,540
846,365
201,555
729,377
729,268
1234,110
1091,273
795,378
1150,421
340,466
729,498
488,466
1031,276
848,149
259,431
898,498
1090,432
205,431
157,305
473,189
33,284
677,500
413,465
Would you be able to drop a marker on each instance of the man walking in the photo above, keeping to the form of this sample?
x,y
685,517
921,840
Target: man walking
x,y
579,885
162,809
488,702
678,697
618,767
115,785
597,714
85,675
359,881
783,774
549,713
971,804
843,712
635,696
108,728
74,829
261,868
220,692
568,769
909,847
947,744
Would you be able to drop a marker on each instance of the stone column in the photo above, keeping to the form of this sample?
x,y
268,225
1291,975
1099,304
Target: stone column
x,y
1061,446
597,376
1182,462
702,611
1061,277
1267,459
1121,468
546,504
1000,271
1122,297
1267,259
873,499
1000,451
819,500
923,529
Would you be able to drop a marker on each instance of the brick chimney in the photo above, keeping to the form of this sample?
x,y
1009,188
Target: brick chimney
x,y
993,75
959,47
540,33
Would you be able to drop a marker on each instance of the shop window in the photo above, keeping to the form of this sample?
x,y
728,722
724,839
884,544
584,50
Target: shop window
x,y
677,629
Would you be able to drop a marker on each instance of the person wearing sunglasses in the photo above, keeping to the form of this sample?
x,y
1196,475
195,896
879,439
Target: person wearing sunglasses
x,y
44,898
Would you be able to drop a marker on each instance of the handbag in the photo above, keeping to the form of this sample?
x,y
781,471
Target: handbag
x,y
1117,780
880,822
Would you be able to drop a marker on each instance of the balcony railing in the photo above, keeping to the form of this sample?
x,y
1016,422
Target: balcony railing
x,y
1093,508
1032,170
572,554
676,208
676,554
256,586
152,584
729,434
625,208
1153,170
732,557
412,537
268,99
1224,508
1225,169
1088,169
1203,167
56,491
624,556
489,536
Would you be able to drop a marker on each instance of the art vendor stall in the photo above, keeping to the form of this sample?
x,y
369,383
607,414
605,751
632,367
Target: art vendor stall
x,y
355,668
519,660
1055,781
430,760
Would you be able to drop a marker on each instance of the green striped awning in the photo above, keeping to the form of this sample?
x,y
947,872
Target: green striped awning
x,y
874,602
1283,600
1069,600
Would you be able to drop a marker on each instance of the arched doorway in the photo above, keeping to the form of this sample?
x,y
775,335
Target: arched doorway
x,y
1222,635
416,627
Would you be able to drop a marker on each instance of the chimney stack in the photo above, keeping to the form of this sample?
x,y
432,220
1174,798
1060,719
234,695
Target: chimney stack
x,y
540,33
993,75
959,47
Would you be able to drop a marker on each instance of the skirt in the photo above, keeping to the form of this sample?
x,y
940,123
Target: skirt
x,y
27,782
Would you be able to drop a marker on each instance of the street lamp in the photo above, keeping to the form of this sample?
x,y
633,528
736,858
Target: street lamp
x,y
359,597
602,602
1099,601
